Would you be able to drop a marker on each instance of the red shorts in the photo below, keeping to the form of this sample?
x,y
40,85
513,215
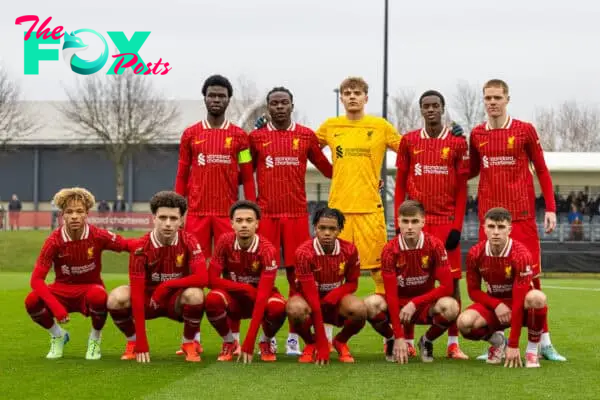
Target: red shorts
x,y
524,231
454,257
168,308
489,315
286,232
331,314
207,230
421,315
240,307
73,297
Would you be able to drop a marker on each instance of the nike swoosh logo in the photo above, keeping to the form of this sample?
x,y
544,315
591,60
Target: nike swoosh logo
x,y
151,264
415,152
337,134
455,270
200,141
266,144
483,144
62,255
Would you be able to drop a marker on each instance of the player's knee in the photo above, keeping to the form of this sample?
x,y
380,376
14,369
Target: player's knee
x,y
215,301
535,299
119,298
192,296
275,308
32,301
466,321
297,309
448,308
375,304
96,297
353,308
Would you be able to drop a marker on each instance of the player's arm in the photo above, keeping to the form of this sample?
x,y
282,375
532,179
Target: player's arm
x,y
390,283
38,279
215,270
522,283
350,284
474,158
462,176
197,278
474,284
184,163
113,242
392,137
137,283
441,273
536,155
246,168
402,171
316,156
265,287
322,134
304,274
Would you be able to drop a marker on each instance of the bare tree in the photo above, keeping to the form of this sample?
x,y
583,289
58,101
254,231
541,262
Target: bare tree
x,y
468,105
15,121
570,127
247,103
404,111
121,112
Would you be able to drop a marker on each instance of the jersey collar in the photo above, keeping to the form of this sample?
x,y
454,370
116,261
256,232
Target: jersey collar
x,y
67,238
404,246
206,125
156,243
505,125
443,135
271,127
253,246
319,249
505,251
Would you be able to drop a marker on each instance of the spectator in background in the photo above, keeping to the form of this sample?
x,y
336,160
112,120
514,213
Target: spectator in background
x,y
14,211
2,212
119,206
55,212
103,210
576,221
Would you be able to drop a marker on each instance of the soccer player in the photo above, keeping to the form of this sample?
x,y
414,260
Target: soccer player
x,y
212,154
242,276
501,152
327,269
433,169
507,268
75,251
167,272
280,151
411,263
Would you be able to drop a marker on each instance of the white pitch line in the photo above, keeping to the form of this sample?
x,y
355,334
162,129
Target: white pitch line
x,y
572,288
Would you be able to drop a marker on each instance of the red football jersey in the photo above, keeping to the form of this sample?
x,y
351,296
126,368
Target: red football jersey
x,y
415,270
208,167
280,159
508,278
157,263
434,166
503,158
244,266
329,270
77,261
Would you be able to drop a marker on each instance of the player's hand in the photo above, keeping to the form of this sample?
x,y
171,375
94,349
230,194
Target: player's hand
x,y
400,351
407,312
246,358
142,357
380,186
513,358
63,320
453,239
457,130
261,121
503,313
549,222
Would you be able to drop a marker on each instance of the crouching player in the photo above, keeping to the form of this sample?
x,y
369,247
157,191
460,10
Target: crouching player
x,y
411,263
75,250
510,302
167,272
327,271
242,275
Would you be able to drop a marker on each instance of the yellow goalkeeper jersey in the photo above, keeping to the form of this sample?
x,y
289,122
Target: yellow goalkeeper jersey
x,y
357,149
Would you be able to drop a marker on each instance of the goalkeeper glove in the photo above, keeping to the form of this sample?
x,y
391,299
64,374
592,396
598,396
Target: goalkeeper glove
x,y
457,130
453,239
260,122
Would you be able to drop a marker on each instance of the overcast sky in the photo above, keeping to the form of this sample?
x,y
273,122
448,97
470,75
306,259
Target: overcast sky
x,y
546,50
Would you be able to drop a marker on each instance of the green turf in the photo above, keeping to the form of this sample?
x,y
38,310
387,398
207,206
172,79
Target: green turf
x,y
25,373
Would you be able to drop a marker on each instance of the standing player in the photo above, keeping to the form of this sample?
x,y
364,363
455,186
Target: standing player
x,y
411,263
433,169
242,276
280,151
327,269
167,272
501,152
75,250
507,268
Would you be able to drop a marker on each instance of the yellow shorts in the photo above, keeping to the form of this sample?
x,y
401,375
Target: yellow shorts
x,y
379,287
369,235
